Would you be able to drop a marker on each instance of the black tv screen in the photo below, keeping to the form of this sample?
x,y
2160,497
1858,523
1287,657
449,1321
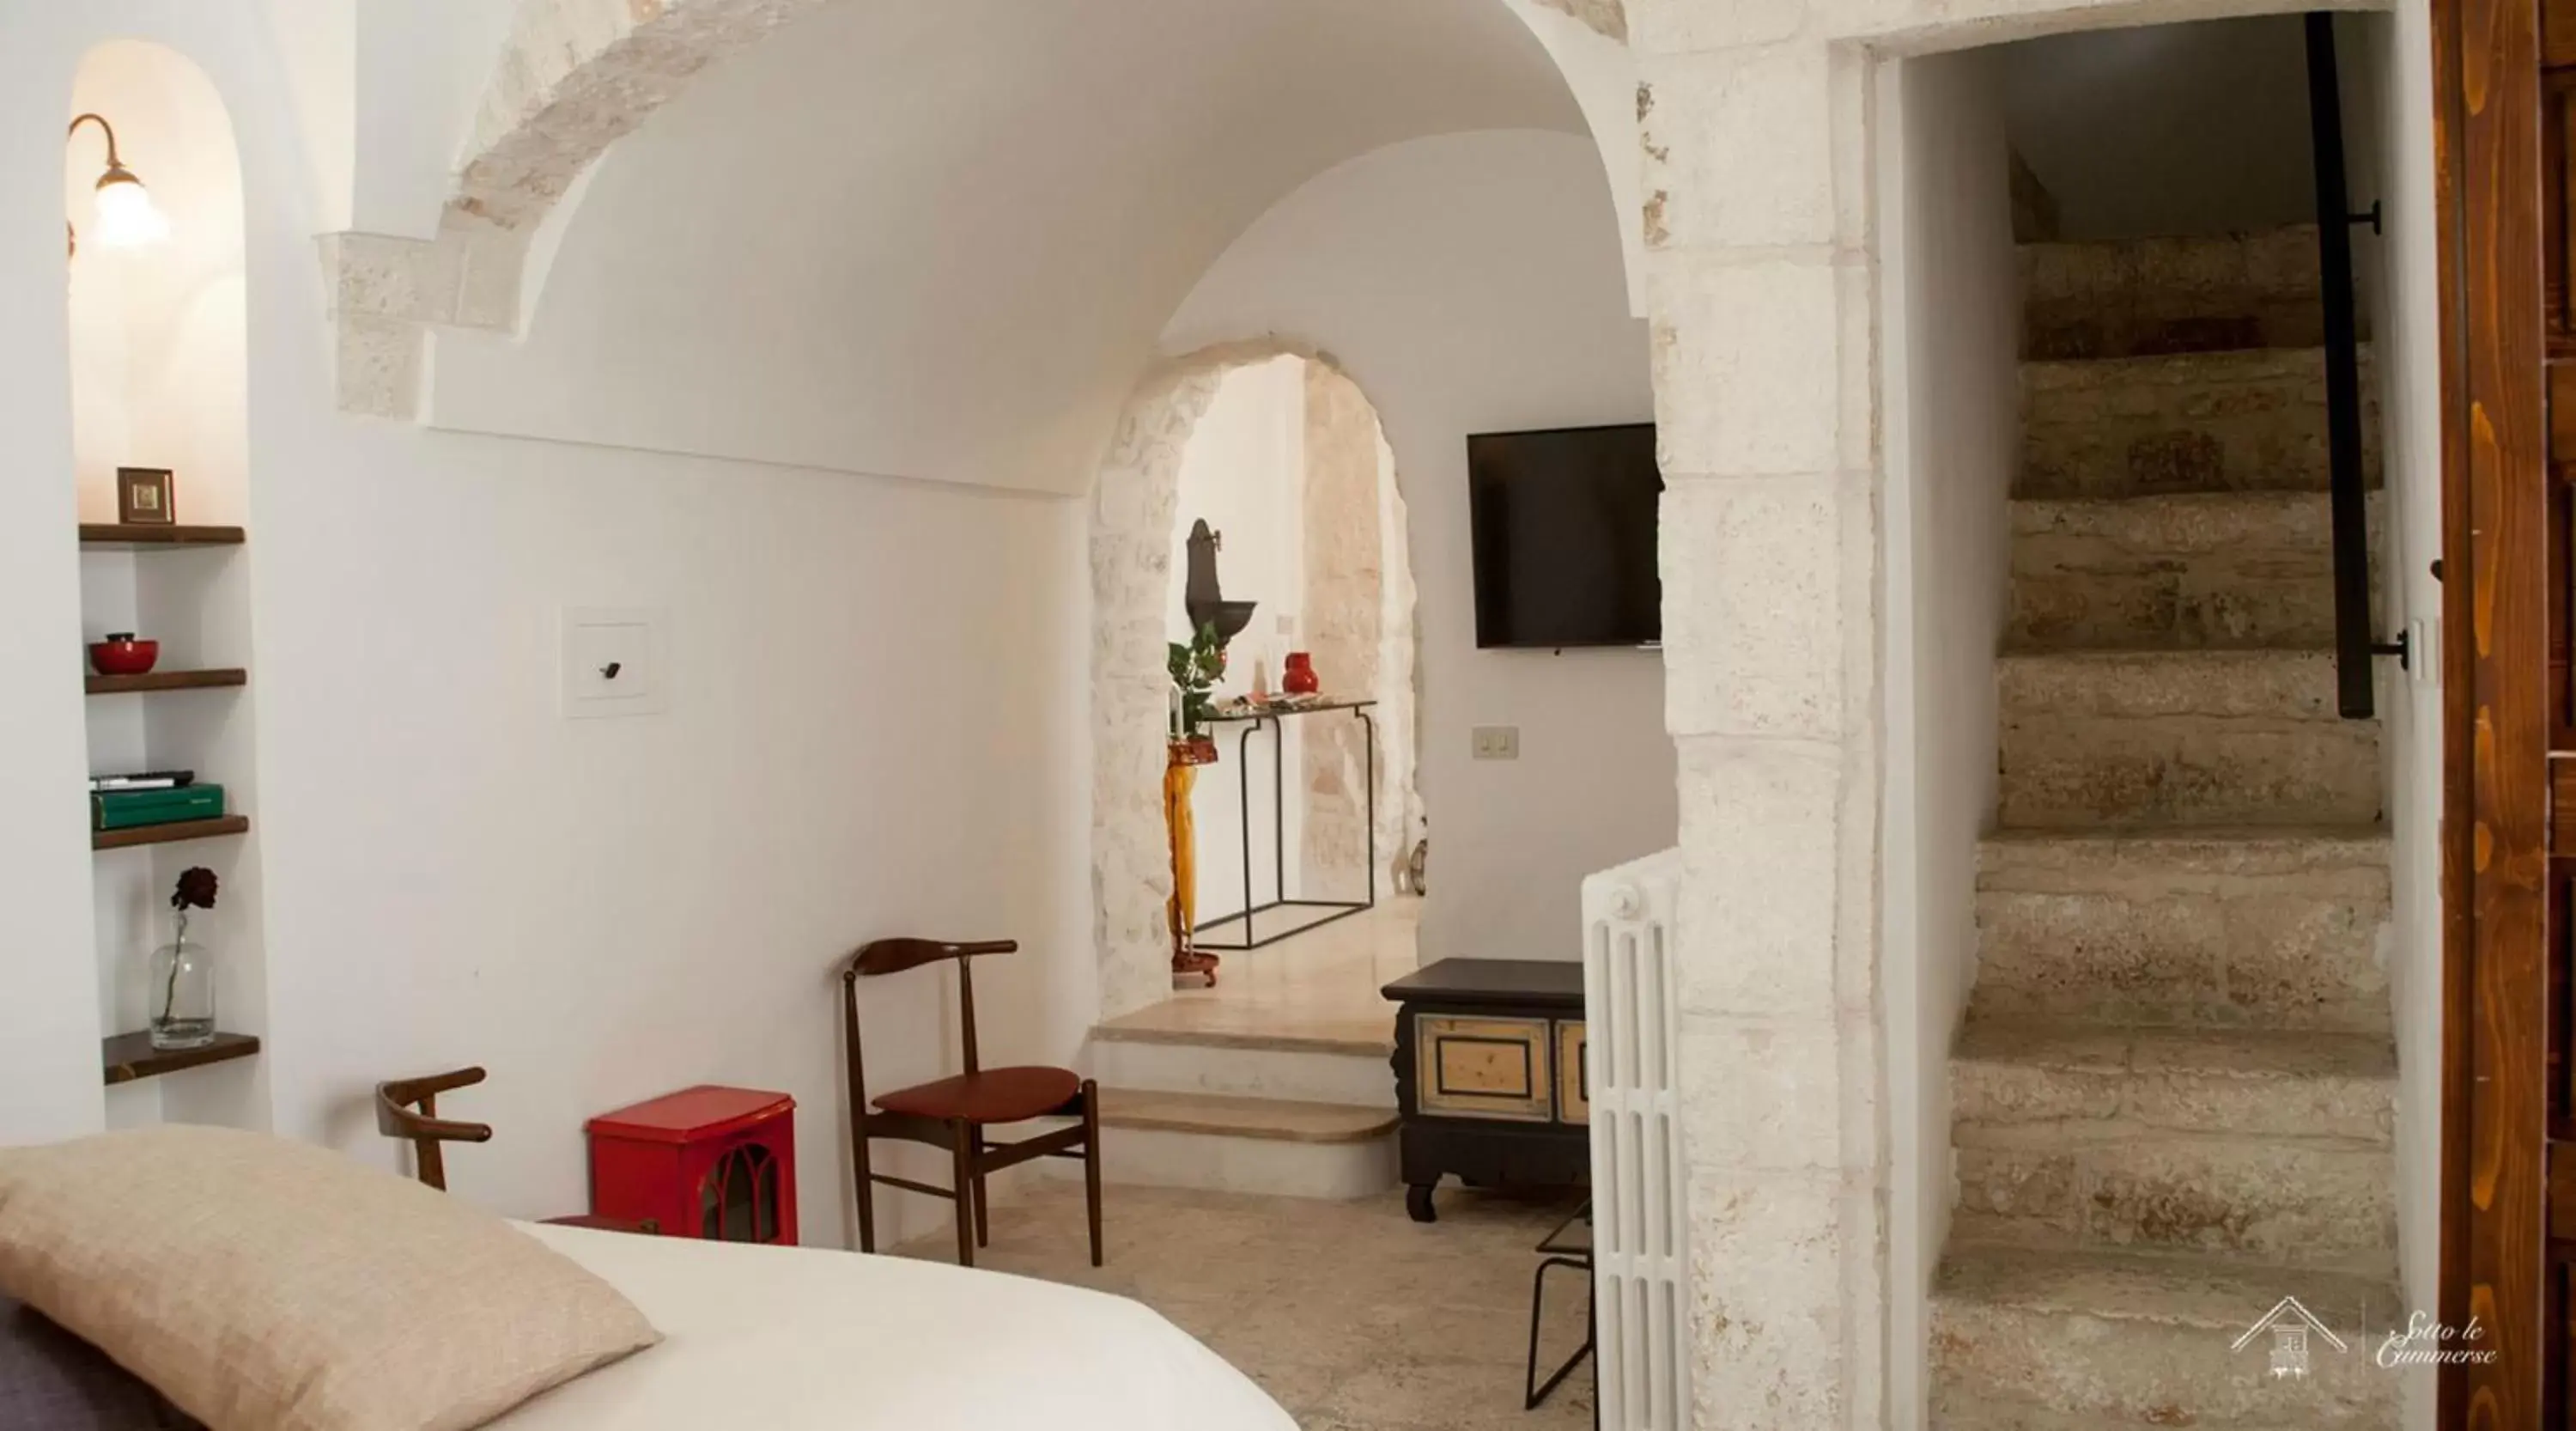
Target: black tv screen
x,y
1564,525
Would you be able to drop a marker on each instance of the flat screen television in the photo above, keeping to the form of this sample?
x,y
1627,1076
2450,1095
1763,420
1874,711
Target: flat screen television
x,y
1564,530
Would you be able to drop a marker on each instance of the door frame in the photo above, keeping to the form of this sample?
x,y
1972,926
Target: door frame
x,y
2496,705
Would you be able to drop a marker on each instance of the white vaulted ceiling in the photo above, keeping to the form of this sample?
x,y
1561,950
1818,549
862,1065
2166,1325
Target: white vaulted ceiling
x,y
938,240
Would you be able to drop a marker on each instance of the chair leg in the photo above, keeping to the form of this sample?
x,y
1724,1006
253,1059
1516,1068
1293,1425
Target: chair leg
x,y
867,1183
961,1146
1091,1161
983,1203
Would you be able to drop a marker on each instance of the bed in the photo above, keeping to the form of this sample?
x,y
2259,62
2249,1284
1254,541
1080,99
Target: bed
x,y
779,1339
329,1295
795,1339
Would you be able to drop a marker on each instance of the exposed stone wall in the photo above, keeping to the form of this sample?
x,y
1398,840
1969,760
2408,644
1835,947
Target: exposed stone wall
x,y
1341,624
1762,290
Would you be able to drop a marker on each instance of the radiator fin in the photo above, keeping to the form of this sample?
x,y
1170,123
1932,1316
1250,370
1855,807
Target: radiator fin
x,y
1639,1177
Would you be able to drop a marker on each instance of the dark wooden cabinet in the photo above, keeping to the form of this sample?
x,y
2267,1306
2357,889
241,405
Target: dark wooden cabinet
x,y
1492,1076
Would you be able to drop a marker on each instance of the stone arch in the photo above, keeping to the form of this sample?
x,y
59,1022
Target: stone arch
x,y
1134,506
574,77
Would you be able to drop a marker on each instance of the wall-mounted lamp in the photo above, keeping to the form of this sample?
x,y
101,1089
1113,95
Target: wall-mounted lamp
x,y
127,217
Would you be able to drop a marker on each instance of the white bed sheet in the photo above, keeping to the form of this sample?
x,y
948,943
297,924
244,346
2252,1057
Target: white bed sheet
x,y
794,1339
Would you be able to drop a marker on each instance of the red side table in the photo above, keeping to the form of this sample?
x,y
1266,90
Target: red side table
x,y
708,1162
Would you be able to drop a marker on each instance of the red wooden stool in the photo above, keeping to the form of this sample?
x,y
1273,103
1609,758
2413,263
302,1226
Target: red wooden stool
x,y
708,1162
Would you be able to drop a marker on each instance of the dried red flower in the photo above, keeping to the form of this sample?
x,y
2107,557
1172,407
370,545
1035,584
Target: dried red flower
x,y
196,889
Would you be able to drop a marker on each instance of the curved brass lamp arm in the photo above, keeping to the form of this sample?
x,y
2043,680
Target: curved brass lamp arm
x,y
103,127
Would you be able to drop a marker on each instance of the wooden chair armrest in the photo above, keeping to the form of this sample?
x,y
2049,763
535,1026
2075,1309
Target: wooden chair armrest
x,y
413,1090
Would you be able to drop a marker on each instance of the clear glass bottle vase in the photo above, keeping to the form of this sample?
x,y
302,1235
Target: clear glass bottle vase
x,y
181,993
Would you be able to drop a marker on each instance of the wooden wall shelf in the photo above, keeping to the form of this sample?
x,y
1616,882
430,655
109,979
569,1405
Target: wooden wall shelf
x,y
169,681
130,1056
168,834
125,534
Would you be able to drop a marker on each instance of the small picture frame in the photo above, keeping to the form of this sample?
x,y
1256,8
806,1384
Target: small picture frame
x,y
146,497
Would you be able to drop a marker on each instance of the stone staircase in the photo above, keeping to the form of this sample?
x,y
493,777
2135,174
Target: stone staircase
x,y
2173,1097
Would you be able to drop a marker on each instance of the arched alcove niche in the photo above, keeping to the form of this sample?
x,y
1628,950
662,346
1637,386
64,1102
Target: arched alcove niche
x,y
158,352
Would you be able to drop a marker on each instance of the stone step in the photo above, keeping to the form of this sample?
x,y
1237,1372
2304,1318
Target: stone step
x,y
1221,1143
2276,928
2182,294
2268,1144
1314,1070
2199,422
2030,1339
2201,570
2181,737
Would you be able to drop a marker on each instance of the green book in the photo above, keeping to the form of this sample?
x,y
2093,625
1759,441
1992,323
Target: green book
x,y
126,809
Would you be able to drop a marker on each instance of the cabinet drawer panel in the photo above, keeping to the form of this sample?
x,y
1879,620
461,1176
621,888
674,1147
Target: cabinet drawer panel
x,y
1573,1073
1482,1068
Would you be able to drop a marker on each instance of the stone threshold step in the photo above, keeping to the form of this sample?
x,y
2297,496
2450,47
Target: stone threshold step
x,y
2289,361
2059,1079
1227,1116
2245,849
2167,524
1125,1030
2283,682
2164,1289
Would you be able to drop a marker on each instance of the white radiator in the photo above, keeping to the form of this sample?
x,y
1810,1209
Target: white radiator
x,y
1640,1234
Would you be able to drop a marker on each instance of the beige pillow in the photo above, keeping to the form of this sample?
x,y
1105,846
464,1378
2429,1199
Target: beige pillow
x,y
266,1285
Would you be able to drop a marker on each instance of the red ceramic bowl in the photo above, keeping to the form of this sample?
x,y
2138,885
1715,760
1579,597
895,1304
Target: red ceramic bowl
x,y
124,656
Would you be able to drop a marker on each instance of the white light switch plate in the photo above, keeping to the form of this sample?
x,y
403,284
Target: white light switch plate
x,y
1498,742
613,661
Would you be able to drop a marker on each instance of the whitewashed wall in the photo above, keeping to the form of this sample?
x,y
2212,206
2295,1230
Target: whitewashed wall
x,y
867,731
2388,78
1952,323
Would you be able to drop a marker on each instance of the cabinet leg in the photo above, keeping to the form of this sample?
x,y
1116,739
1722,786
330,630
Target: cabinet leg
x,y
1417,1202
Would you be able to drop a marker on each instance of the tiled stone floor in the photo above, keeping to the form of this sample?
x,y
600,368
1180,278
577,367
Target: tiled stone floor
x,y
1352,1315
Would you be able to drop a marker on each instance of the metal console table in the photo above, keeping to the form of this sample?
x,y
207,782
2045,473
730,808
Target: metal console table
x,y
1252,723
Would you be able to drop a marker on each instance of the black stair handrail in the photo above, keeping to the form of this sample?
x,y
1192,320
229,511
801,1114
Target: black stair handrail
x,y
2350,515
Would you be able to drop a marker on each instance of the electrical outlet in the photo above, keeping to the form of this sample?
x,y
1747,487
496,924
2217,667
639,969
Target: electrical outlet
x,y
1286,625
1498,742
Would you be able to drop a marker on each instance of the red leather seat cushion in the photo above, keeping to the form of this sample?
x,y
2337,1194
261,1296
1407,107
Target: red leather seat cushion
x,y
996,1095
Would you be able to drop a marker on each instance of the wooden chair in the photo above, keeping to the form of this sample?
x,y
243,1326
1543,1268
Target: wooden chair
x,y
952,1113
407,1108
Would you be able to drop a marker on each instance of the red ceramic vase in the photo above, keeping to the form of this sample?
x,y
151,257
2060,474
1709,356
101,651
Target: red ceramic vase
x,y
1299,678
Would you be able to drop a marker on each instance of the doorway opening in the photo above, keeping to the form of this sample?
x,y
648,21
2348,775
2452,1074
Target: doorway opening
x,y
1296,851
2134,398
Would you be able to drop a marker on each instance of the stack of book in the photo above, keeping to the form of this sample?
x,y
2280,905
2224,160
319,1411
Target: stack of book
x,y
152,797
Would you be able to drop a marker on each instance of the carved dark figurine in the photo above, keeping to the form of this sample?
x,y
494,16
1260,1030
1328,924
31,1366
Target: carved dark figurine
x,y
1200,597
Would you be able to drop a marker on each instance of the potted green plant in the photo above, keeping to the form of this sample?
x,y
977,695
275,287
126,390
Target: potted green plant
x,y
1196,666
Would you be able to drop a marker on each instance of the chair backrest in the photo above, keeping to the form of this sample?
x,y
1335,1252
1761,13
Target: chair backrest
x,y
407,1108
879,957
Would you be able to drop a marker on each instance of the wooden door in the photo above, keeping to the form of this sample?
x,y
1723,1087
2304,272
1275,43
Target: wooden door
x,y
2505,76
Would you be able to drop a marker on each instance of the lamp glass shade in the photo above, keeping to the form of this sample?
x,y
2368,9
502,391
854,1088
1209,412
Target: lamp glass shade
x,y
127,217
